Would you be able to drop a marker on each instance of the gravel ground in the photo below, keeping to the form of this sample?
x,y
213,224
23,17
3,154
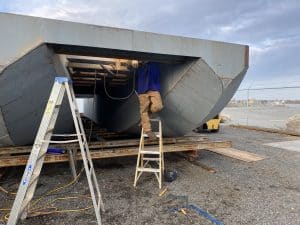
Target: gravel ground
x,y
263,192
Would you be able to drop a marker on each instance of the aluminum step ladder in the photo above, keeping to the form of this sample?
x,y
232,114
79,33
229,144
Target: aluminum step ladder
x,y
35,162
150,154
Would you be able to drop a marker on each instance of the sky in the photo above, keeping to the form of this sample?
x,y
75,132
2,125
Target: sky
x,y
270,27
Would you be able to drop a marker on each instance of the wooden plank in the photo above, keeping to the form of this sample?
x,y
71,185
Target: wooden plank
x,y
100,154
18,160
237,154
214,144
269,130
104,144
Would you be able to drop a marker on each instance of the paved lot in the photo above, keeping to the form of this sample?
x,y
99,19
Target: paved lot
x,y
262,116
259,193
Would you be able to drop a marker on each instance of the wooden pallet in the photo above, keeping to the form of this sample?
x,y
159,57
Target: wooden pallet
x,y
17,156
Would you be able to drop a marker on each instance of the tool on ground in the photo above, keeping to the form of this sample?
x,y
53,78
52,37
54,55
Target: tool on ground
x,y
184,212
150,154
183,205
43,139
170,175
205,214
213,125
163,192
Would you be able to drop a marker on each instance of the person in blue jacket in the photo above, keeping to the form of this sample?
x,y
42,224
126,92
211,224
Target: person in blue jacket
x,y
148,89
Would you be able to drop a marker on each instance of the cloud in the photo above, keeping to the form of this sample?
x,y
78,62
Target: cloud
x,y
64,10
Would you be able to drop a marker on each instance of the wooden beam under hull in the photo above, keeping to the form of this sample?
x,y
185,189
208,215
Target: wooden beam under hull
x,y
101,150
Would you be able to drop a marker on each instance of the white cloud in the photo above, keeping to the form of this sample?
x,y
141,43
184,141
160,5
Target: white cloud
x,y
63,10
236,25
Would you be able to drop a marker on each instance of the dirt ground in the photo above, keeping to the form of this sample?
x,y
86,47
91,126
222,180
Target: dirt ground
x,y
239,193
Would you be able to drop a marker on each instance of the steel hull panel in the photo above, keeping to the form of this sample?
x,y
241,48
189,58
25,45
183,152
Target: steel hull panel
x,y
24,91
198,82
24,33
191,94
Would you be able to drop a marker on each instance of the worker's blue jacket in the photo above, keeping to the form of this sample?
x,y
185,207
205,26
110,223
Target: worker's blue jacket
x,y
148,78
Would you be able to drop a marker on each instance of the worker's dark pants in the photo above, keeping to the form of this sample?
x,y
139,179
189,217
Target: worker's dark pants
x,y
150,102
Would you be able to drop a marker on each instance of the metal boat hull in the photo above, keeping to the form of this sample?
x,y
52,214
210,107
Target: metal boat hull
x,y
198,80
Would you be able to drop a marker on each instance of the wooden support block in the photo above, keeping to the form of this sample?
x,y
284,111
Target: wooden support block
x,y
100,150
97,145
237,154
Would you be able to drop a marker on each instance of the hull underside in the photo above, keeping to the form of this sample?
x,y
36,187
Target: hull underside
x,y
194,88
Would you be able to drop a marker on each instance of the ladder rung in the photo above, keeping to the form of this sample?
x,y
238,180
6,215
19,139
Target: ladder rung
x,y
60,142
150,152
155,120
64,135
156,134
150,170
151,159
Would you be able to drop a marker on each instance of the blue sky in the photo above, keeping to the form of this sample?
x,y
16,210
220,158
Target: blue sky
x,y
270,27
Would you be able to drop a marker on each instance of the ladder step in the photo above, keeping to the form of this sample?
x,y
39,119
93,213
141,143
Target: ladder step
x,y
155,120
150,170
65,135
151,159
60,142
149,152
156,134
